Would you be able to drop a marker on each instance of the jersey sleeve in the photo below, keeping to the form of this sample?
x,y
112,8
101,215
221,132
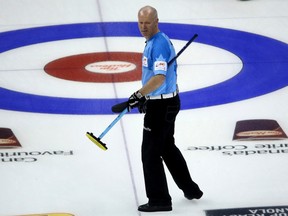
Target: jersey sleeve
x,y
161,56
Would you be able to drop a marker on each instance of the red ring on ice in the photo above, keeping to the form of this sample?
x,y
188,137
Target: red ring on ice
x,y
73,67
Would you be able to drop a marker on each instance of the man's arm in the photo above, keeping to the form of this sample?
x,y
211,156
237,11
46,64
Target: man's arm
x,y
154,83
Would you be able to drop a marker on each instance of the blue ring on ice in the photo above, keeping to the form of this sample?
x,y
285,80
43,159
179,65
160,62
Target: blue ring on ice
x,y
265,65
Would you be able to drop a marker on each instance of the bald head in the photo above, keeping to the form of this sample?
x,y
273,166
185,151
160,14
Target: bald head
x,y
148,11
148,21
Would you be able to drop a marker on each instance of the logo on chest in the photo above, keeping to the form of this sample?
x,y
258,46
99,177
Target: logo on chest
x,y
145,61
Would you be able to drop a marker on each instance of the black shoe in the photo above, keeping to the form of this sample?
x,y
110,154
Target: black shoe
x,y
194,196
153,208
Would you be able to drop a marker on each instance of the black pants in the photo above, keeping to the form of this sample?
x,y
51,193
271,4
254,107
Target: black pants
x,y
158,145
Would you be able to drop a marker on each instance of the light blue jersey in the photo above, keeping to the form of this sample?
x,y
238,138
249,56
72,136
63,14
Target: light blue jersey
x,y
157,53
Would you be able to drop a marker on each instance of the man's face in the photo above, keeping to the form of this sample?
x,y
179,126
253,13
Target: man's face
x,y
148,25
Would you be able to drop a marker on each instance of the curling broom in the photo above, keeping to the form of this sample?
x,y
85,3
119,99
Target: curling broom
x,y
97,140
123,107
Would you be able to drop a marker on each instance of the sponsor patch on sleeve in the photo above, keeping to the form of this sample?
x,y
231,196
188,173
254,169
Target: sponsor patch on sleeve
x,y
160,65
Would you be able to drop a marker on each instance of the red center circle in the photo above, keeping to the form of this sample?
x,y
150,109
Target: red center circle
x,y
73,67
